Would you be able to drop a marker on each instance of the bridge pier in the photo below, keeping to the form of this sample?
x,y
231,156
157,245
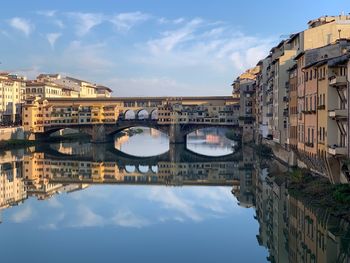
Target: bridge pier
x,y
99,134
176,135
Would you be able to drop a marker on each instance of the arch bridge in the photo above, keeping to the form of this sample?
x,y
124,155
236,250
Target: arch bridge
x,y
178,166
102,118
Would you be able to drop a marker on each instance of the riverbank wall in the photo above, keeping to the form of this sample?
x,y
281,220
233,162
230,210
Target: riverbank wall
x,y
332,168
12,133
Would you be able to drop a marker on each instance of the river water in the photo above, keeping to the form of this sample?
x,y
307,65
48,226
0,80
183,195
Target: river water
x,y
140,199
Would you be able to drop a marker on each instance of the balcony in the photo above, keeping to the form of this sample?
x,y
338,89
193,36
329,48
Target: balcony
x,y
309,144
335,150
338,114
321,107
338,81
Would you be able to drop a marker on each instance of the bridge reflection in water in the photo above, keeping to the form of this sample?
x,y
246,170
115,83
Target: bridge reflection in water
x,y
102,163
291,229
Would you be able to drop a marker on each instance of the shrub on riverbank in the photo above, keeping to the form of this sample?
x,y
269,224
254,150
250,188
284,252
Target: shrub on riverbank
x,y
14,143
231,135
264,151
319,192
341,193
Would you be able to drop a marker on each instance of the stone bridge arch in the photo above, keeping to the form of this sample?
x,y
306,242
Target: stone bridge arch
x,y
154,114
142,114
127,124
129,114
52,129
178,132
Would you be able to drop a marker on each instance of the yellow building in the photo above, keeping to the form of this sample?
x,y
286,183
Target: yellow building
x,y
326,30
12,186
11,95
56,86
43,90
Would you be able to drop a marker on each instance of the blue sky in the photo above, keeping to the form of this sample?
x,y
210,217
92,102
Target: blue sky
x,y
152,47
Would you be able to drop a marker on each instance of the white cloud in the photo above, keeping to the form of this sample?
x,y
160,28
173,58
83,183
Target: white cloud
x,y
31,72
172,201
24,214
86,21
54,203
151,86
171,39
87,218
59,23
48,13
125,21
88,58
52,38
203,48
128,219
22,24
178,20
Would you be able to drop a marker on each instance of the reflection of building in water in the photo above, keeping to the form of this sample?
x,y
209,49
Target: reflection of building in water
x,y
292,230
37,172
211,138
206,173
72,148
154,133
244,192
315,235
119,141
50,172
271,212
12,187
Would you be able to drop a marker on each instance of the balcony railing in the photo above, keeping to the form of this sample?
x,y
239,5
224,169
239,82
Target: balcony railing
x,y
321,107
337,81
338,114
309,144
335,150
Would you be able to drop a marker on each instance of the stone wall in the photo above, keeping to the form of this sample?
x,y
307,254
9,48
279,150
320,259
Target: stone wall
x,y
286,156
12,133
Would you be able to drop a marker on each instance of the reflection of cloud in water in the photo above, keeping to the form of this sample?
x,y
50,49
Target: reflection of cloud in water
x,y
53,202
173,202
24,214
53,222
130,207
85,217
126,218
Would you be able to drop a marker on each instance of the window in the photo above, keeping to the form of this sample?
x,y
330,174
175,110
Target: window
x,y
323,133
315,102
310,103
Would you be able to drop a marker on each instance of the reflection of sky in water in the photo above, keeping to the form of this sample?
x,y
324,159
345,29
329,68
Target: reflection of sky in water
x,y
210,142
148,143
132,224
202,147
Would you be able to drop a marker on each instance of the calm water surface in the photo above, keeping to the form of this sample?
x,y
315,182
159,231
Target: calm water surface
x,y
141,200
